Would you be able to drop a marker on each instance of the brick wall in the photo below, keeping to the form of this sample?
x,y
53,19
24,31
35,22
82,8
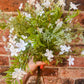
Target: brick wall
x,y
62,74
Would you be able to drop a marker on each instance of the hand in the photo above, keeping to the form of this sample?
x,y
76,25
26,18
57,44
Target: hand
x,y
33,66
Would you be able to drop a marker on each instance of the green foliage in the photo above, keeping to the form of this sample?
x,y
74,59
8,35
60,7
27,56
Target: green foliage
x,y
51,37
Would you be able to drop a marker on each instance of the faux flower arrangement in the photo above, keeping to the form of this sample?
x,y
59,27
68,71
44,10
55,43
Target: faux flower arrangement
x,y
39,32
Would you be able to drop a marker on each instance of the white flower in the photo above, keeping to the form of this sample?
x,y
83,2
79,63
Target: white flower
x,y
82,53
51,13
46,3
24,37
21,5
61,3
21,45
64,49
27,15
18,74
71,60
40,13
11,18
12,39
32,2
11,30
59,23
67,29
73,6
39,9
49,54
14,51
62,52
4,39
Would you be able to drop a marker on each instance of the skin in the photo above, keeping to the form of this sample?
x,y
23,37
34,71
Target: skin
x,y
32,66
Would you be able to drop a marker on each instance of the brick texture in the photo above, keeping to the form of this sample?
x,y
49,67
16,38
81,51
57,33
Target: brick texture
x,y
53,80
51,74
10,5
4,60
80,7
71,73
4,33
80,19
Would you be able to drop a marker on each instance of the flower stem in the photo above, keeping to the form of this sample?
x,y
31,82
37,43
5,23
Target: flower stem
x,y
38,81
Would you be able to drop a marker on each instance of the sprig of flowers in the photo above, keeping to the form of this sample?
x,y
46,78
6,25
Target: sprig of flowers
x,y
40,31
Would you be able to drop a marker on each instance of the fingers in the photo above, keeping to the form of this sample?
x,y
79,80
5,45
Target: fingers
x,y
40,63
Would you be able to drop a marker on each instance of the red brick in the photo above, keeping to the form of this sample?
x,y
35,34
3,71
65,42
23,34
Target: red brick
x,y
10,5
80,7
4,60
71,73
4,33
79,62
2,81
48,72
3,69
2,49
80,19
53,80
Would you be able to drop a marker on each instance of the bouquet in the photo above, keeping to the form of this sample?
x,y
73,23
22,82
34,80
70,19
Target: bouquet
x,y
43,31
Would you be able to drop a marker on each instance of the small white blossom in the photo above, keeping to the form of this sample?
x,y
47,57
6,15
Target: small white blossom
x,y
59,23
31,2
67,29
12,39
51,13
41,13
61,3
21,5
11,18
27,15
18,74
73,6
49,54
11,30
82,53
21,45
62,52
14,51
24,37
64,49
71,61
4,39
46,3
39,9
